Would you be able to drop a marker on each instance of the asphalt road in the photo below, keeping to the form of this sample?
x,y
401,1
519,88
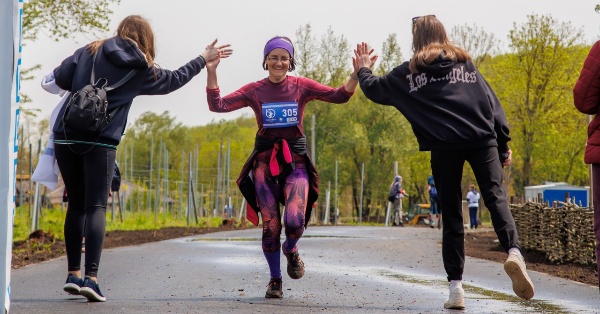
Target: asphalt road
x,y
348,270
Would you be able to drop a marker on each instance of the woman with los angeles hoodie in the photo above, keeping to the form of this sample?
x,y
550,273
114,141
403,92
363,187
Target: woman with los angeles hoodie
x,y
454,114
86,160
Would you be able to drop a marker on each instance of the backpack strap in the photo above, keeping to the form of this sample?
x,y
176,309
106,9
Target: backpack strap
x,y
122,81
116,85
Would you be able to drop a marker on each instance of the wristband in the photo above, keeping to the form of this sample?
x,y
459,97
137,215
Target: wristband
x,y
353,76
203,60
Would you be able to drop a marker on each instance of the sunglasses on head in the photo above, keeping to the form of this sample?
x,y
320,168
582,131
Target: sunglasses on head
x,y
414,19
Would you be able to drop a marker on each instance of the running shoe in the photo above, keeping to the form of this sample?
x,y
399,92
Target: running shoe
x,y
274,289
456,299
91,291
73,284
295,266
517,271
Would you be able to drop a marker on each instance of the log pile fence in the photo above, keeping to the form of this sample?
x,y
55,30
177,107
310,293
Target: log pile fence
x,y
563,232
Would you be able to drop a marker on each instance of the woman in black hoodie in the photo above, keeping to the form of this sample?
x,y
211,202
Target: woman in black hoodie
x,y
87,160
454,114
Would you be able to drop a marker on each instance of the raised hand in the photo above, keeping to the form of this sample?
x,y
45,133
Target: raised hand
x,y
213,52
362,57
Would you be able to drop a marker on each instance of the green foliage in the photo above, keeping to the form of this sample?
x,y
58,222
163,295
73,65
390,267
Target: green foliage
x,y
535,82
52,221
64,18
475,40
391,56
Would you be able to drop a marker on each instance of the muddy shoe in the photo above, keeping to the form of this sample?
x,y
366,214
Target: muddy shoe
x,y
516,270
456,300
295,266
274,289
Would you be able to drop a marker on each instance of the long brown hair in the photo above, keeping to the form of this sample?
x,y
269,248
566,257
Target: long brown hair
x,y
136,29
429,41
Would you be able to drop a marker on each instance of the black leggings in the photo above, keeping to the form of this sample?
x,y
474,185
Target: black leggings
x,y
447,169
87,179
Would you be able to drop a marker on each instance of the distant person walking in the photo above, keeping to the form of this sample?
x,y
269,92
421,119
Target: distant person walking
x,y
454,114
87,159
396,195
435,209
586,95
473,200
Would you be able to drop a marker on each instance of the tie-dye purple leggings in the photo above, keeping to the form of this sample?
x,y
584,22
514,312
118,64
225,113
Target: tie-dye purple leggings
x,y
295,193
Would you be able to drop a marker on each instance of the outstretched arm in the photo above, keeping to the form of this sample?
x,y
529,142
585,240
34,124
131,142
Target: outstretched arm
x,y
162,81
376,88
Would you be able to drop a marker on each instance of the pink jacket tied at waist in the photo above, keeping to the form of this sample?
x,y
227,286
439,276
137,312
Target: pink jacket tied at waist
x,y
287,155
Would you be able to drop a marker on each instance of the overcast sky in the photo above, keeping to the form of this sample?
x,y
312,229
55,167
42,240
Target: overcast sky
x,y
184,27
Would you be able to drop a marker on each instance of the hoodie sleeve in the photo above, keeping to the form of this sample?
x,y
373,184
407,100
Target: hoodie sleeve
x,y
500,123
63,74
586,93
376,88
161,82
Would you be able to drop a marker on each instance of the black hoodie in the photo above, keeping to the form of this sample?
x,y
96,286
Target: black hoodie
x,y
114,59
449,105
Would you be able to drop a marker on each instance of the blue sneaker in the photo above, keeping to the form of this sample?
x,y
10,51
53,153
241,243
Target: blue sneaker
x,y
73,284
91,291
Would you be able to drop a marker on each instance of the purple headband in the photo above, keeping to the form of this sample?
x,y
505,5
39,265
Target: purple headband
x,y
279,42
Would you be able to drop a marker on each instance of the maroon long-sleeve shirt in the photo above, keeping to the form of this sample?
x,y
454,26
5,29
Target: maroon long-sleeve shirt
x,y
291,90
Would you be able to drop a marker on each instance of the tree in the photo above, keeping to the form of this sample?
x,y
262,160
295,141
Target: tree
x,y
534,83
64,18
306,52
475,40
391,55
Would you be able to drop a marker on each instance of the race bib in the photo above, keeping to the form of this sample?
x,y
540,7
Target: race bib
x,y
280,114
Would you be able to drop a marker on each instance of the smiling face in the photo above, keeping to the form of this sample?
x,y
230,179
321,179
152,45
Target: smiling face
x,y
278,64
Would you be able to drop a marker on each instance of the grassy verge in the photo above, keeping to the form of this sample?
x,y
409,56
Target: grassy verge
x,y
52,221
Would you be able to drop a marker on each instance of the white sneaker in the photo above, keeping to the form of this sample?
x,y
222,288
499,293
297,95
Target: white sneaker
x,y
456,300
517,271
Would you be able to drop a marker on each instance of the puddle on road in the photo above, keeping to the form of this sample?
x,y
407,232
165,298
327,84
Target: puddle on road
x,y
223,239
237,239
537,306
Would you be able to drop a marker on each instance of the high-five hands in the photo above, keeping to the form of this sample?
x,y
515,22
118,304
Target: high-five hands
x,y
213,52
362,57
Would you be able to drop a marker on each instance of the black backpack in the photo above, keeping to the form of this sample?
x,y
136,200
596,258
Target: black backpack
x,y
393,192
115,184
86,110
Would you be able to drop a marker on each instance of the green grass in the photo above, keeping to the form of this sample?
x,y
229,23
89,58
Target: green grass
x,y
52,221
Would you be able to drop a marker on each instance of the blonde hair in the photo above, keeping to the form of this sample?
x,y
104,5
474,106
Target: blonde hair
x,y
430,41
136,29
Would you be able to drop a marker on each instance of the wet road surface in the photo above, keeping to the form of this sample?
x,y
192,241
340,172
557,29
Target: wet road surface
x,y
348,270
